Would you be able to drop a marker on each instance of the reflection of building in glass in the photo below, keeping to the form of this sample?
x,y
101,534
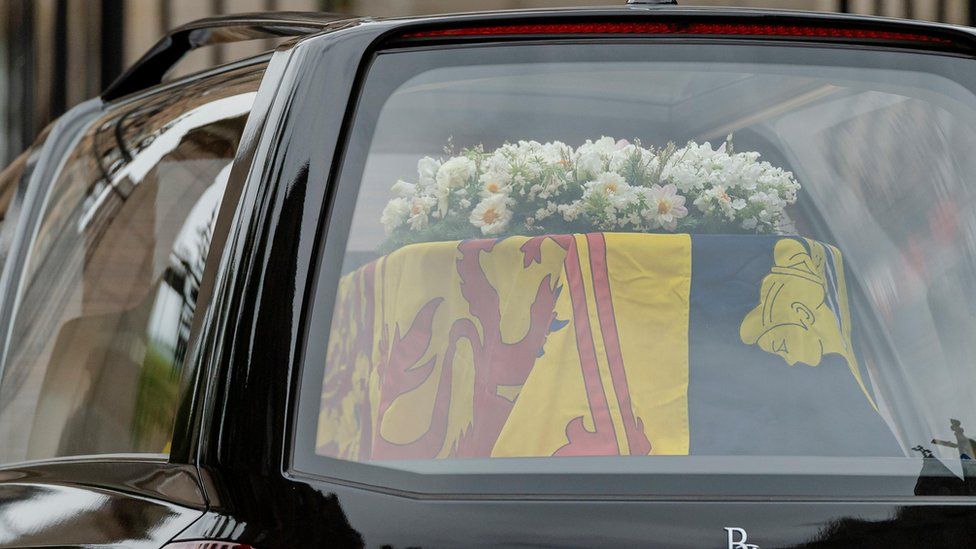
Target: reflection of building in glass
x,y
115,272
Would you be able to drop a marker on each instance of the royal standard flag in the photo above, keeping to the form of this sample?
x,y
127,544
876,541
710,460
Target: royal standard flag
x,y
598,344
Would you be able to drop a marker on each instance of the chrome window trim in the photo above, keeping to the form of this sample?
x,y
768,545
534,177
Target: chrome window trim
x,y
89,458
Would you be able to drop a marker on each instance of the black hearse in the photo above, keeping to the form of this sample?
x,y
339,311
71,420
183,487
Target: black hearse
x,y
645,276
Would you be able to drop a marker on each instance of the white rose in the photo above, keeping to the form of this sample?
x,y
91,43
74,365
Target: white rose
x,y
592,157
455,172
556,153
452,174
394,214
403,189
589,164
427,171
419,212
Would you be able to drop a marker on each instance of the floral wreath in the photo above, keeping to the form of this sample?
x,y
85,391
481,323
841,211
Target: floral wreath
x,y
530,188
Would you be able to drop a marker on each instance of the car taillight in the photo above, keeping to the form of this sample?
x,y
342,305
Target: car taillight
x,y
206,544
681,29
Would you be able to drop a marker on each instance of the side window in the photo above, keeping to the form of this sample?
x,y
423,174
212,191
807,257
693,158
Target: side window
x,y
109,288
9,180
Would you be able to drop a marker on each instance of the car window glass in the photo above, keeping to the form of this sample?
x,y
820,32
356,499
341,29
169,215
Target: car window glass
x,y
109,288
652,250
9,183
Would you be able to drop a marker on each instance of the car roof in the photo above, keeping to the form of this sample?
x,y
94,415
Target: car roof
x,y
149,69
324,19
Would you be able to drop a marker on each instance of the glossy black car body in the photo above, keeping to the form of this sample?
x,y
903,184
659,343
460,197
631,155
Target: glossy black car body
x,y
231,476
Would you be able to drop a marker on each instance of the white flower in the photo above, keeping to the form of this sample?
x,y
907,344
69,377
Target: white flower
x,y
403,189
549,210
493,185
665,206
427,172
685,168
589,165
419,212
492,214
394,214
494,182
593,156
570,211
608,201
452,174
627,153
556,153
613,187
734,189
716,198
455,172
499,162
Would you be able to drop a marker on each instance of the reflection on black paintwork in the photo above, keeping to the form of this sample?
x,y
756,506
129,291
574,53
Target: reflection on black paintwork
x,y
35,515
253,509
915,526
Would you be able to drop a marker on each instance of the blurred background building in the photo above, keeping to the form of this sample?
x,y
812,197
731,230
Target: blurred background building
x,y
56,53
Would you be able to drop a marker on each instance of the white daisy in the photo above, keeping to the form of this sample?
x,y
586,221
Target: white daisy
x,y
665,206
492,214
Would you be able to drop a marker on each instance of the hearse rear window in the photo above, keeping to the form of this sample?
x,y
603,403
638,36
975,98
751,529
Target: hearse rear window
x,y
692,254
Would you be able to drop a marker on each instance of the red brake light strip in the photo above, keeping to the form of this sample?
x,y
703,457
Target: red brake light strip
x,y
684,29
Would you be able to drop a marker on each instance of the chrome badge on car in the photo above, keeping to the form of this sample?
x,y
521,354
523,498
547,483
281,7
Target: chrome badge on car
x,y
738,537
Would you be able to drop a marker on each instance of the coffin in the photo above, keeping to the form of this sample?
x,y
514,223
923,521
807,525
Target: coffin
x,y
599,344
